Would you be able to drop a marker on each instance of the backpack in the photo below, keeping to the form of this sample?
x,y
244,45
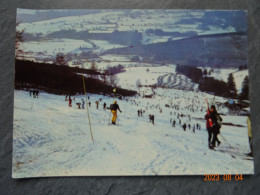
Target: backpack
x,y
219,120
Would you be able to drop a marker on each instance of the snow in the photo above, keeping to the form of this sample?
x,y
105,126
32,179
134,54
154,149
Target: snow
x,y
239,77
131,75
52,139
105,45
53,46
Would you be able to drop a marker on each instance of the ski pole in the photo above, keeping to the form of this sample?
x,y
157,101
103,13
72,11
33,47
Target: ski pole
x,y
117,119
109,118
226,141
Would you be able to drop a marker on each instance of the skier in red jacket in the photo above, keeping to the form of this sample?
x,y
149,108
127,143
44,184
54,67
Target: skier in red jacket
x,y
209,127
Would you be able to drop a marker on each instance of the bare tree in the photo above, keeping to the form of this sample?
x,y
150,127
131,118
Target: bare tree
x,y
113,80
104,77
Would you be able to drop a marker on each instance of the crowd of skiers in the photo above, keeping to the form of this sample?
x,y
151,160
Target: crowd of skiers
x,y
213,119
81,105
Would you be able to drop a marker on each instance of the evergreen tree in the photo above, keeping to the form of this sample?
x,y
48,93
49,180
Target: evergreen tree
x,y
245,89
60,60
231,86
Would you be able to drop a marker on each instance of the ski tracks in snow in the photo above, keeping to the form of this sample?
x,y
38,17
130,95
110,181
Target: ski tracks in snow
x,y
175,81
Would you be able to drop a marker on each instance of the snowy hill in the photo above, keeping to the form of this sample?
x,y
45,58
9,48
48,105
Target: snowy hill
x,y
160,76
52,139
162,35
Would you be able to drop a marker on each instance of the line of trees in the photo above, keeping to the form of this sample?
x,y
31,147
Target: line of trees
x,y
195,74
222,88
59,79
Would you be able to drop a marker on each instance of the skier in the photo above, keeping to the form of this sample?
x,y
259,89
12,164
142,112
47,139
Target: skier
x,y
70,101
30,93
89,103
184,126
138,112
104,106
174,122
83,103
209,127
193,128
114,107
216,125
249,135
78,104
36,93
152,119
189,126
96,104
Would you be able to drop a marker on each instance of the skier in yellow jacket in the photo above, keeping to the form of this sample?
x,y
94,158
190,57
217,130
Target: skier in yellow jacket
x,y
249,135
114,107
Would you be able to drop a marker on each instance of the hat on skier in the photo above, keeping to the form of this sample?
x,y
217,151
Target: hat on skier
x,y
115,102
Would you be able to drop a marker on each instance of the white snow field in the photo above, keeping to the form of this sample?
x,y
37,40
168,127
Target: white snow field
x,y
52,139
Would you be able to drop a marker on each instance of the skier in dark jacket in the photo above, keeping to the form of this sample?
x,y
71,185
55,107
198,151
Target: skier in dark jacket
x,y
36,93
184,126
70,101
173,123
83,103
216,125
114,107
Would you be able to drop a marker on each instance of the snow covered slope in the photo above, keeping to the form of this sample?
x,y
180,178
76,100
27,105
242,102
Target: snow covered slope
x,y
52,139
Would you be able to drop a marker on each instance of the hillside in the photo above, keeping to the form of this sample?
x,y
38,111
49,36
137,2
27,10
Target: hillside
x,y
52,139
227,50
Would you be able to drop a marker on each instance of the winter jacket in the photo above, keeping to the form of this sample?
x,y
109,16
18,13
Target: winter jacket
x,y
216,119
208,120
114,107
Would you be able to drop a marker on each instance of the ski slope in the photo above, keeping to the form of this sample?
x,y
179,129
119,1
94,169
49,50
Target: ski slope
x,y
52,139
